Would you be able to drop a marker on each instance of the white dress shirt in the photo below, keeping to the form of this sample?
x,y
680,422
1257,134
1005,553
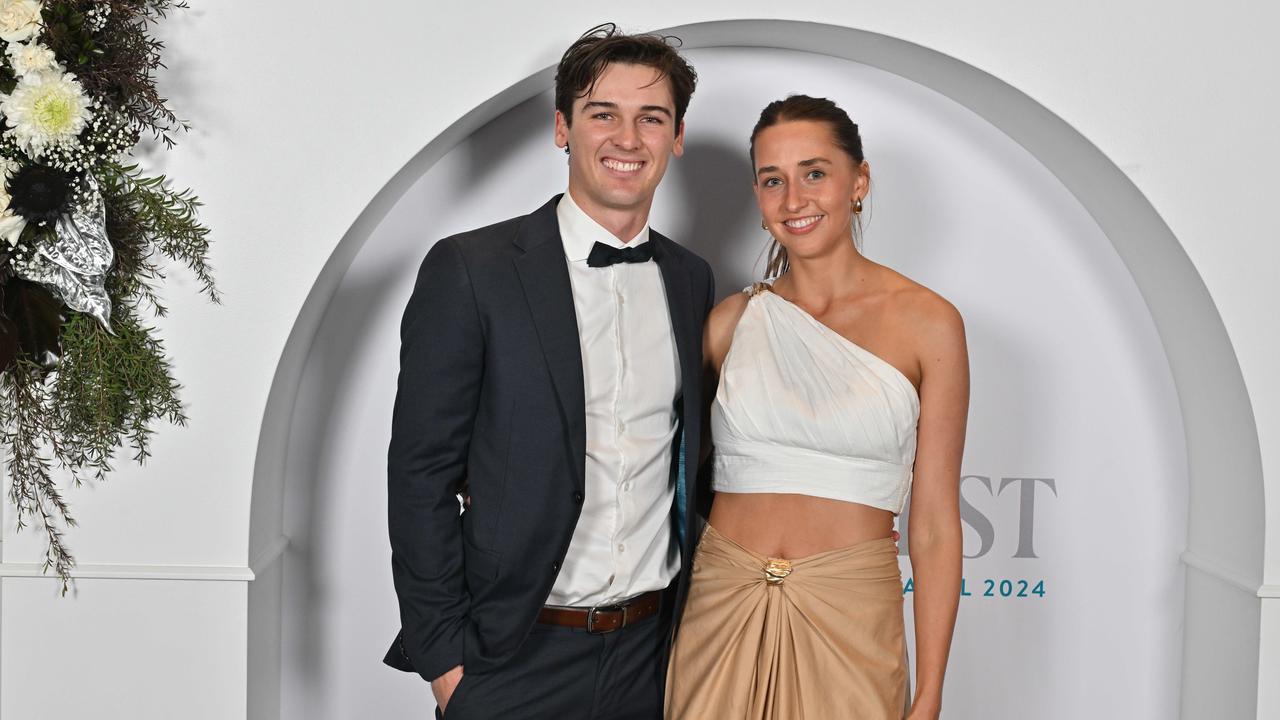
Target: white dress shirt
x,y
624,543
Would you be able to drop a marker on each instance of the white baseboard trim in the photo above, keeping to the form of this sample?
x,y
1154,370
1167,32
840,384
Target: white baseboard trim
x,y
267,557
1217,571
222,573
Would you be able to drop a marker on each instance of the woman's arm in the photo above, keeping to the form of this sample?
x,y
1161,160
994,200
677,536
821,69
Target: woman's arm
x,y
717,335
934,536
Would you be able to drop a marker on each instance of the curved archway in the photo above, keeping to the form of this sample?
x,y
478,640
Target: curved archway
x,y
1221,436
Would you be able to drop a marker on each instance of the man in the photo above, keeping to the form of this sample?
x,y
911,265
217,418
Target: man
x,y
549,370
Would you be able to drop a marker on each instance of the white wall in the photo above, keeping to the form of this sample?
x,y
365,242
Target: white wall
x,y
304,110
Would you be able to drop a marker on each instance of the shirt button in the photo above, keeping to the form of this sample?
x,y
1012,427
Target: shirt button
x,y
627,486
622,548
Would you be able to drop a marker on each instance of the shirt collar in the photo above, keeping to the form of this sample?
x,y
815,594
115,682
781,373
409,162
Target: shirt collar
x,y
579,232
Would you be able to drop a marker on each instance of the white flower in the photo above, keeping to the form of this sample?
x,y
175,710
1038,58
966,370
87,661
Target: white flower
x,y
8,167
27,58
44,110
19,20
11,225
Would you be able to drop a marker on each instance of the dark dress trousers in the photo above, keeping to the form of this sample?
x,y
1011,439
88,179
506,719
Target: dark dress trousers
x,y
490,395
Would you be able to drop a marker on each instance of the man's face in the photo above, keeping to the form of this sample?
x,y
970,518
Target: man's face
x,y
622,136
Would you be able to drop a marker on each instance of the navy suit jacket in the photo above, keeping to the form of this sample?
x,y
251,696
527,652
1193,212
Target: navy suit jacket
x,y
490,394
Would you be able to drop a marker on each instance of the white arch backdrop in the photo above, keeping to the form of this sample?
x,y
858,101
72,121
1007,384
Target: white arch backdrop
x,y
1220,437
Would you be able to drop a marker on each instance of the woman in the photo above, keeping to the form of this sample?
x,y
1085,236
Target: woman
x,y
840,387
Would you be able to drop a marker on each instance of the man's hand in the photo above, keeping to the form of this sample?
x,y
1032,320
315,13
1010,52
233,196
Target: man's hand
x,y
443,686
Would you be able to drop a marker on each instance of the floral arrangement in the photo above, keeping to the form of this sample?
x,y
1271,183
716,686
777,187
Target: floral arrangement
x,y
84,238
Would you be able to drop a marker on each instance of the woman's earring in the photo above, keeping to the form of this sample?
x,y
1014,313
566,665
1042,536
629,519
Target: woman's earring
x,y
857,206
763,225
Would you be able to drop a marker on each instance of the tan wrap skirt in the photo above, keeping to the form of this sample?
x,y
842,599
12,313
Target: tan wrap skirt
x,y
814,638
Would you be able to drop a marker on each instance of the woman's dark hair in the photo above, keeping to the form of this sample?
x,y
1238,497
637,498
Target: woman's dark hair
x,y
804,107
587,57
843,130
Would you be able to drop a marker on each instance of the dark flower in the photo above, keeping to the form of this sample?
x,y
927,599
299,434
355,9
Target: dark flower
x,y
39,193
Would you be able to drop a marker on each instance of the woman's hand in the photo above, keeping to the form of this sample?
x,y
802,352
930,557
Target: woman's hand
x,y
921,710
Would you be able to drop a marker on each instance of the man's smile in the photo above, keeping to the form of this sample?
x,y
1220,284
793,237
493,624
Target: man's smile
x,y
622,167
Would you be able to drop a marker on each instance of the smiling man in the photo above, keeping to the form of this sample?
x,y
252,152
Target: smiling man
x,y
549,373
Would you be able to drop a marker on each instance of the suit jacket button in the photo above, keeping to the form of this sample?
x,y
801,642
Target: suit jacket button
x,y
555,567
577,497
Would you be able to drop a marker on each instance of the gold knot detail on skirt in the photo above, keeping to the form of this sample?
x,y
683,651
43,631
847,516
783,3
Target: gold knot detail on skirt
x,y
776,570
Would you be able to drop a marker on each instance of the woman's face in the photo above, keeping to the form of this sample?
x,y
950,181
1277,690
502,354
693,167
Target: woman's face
x,y
806,185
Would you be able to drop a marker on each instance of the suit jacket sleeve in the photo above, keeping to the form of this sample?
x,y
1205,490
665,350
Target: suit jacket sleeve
x,y
441,367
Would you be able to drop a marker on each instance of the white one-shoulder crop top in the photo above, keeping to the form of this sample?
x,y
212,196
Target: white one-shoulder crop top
x,y
801,409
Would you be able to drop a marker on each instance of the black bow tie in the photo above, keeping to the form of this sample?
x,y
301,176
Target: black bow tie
x,y
605,255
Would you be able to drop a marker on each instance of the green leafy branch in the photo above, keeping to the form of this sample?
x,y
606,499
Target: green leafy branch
x,y
25,412
151,215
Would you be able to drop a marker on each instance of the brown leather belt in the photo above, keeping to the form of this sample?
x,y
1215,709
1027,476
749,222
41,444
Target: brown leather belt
x,y
606,618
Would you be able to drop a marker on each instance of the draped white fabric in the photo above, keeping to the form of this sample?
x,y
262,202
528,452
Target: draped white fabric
x,y
802,409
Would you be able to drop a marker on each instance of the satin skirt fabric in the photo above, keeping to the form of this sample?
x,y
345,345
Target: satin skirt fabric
x,y
825,641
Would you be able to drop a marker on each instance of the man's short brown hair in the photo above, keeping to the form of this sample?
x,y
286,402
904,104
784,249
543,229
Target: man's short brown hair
x,y
602,45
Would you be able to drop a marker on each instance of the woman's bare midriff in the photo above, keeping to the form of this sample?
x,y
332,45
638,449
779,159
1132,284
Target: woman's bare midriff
x,y
796,526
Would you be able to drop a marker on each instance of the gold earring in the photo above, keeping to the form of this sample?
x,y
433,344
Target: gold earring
x,y
857,206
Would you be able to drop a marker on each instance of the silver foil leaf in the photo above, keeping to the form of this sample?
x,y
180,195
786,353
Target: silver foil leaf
x,y
82,246
75,265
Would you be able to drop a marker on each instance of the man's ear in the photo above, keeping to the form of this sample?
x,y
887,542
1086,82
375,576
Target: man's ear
x,y
562,130
678,148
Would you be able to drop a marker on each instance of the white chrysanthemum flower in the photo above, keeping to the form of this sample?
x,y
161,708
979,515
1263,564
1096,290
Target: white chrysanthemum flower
x,y
19,20
11,225
44,110
8,167
27,58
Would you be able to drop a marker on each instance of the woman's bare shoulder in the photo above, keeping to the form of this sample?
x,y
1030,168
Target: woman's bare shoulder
x,y
921,308
933,324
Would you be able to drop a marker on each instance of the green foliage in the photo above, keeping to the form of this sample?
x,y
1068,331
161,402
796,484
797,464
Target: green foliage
x,y
108,389
25,417
145,213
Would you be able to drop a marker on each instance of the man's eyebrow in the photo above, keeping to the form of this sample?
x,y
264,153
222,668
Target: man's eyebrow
x,y
607,105
767,169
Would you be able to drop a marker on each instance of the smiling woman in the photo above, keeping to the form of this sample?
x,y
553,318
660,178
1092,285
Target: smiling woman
x,y
816,445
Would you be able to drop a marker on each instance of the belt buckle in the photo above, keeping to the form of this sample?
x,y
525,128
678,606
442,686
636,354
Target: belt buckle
x,y
591,620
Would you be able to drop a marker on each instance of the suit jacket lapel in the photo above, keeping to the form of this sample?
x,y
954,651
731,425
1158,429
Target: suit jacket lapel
x,y
676,280
544,277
